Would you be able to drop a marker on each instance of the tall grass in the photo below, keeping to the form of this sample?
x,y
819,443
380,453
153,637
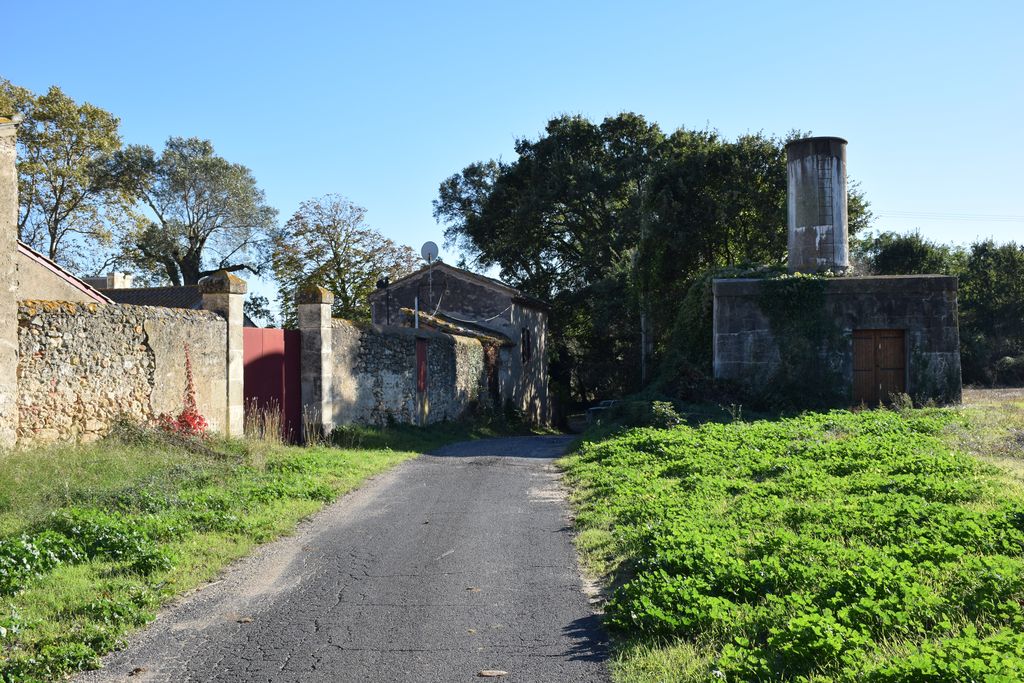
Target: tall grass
x,y
265,423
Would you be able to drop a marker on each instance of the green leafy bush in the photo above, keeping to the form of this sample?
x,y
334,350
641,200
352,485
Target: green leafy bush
x,y
115,538
813,548
27,556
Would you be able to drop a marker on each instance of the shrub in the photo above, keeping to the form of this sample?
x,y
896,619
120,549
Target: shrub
x,y
664,415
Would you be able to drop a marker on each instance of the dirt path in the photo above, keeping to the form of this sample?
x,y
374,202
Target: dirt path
x,y
449,565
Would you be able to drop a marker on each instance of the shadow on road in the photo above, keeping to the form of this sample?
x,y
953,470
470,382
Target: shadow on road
x,y
538,447
590,641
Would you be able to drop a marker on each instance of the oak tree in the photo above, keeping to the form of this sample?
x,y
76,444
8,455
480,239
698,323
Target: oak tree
x,y
326,243
69,207
206,213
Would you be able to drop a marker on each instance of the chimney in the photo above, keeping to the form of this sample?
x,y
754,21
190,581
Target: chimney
x,y
816,215
110,281
119,281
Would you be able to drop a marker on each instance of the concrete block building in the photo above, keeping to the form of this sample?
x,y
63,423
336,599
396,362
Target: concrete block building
x,y
845,340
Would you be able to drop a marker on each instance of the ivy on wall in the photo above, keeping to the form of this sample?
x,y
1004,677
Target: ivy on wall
x,y
807,338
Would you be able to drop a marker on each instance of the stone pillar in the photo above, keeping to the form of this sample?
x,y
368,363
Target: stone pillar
x,y
314,315
224,294
8,285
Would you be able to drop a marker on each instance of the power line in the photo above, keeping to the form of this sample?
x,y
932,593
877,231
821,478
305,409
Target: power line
x,y
948,216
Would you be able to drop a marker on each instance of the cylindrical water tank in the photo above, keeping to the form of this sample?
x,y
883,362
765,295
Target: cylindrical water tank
x,y
817,217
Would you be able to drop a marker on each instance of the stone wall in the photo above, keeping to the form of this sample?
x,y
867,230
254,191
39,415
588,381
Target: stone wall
x,y
8,284
746,347
488,305
375,375
81,366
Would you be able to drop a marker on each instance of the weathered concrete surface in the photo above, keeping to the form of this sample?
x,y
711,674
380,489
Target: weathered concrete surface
x,y
816,205
8,284
924,306
446,566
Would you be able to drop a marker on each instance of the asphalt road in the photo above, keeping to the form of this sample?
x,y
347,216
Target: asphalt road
x,y
446,566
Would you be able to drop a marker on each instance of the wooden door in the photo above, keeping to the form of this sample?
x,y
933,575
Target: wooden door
x,y
879,366
491,357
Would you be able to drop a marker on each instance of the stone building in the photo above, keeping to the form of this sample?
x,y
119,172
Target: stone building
x,y
511,326
41,278
835,340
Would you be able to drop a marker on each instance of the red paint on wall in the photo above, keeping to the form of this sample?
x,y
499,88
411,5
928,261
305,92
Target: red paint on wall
x,y
421,365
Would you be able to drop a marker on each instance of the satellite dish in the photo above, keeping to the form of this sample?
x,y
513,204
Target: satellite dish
x,y
429,252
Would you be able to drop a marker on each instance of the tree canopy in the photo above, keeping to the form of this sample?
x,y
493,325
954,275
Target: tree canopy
x,y
326,243
68,205
207,214
612,222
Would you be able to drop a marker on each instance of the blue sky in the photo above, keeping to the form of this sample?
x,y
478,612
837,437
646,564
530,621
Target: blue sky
x,y
381,101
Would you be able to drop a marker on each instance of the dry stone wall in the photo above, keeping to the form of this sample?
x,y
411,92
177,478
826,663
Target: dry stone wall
x,y
375,375
82,366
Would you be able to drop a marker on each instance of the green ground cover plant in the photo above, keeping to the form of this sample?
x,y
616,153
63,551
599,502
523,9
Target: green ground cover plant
x,y
869,546
94,539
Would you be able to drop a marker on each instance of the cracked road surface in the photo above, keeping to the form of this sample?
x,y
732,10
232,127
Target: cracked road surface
x,y
448,565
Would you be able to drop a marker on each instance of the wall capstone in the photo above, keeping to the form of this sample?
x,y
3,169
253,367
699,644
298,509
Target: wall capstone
x,y
316,358
224,294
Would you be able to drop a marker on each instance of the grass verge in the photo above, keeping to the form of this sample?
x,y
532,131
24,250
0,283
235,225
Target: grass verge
x,y
872,546
94,539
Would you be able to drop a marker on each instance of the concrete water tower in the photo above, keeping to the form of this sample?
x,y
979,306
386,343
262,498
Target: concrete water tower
x,y
816,215
863,340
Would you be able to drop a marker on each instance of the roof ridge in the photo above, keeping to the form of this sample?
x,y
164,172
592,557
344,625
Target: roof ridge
x,y
69,277
142,289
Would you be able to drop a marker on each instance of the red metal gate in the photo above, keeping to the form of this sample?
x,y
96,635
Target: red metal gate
x,y
272,381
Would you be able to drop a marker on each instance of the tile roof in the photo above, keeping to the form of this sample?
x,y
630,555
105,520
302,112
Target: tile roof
x,y
517,295
451,326
187,296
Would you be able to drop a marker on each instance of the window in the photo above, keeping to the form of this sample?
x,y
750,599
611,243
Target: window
x,y
525,345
